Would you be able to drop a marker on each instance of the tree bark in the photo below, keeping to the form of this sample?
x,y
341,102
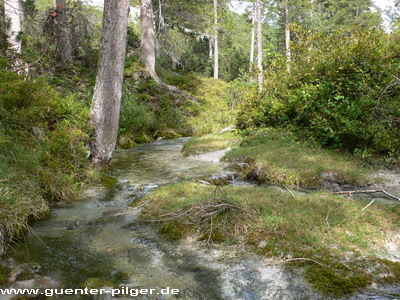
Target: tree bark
x,y
22,13
62,32
259,47
216,49
147,46
106,102
12,11
253,36
287,37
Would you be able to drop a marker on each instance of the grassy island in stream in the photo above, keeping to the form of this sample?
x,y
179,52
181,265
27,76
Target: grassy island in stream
x,y
275,156
209,143
337,241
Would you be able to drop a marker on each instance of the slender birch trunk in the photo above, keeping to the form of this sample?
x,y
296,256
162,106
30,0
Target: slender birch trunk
x,y
216,49
253,36
210,47
106,102
287,37
12,12
62,32
259,47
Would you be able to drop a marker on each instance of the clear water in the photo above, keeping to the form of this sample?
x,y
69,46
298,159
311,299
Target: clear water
x,y
101,237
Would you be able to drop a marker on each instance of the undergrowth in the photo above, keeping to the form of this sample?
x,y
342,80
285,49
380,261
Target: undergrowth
x,y
43,149
150,111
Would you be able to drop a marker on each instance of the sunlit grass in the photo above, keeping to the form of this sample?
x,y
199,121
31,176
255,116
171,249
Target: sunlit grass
x,y
208,143
280,158
338,240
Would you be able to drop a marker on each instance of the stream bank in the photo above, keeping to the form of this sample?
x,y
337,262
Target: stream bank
x,y
101,241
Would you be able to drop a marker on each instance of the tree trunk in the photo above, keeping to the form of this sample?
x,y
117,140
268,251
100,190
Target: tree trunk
x,y
106,102
62,32
216,49
22,13
259,47
12,15
210,47
253,36
147,46
287,38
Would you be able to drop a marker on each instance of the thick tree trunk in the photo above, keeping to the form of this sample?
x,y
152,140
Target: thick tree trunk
x,y
259,47
106,102
287,38
147,46
253,36
216,49
62,32
12,11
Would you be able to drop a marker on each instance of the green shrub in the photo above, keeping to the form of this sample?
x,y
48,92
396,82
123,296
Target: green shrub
x,y
342,92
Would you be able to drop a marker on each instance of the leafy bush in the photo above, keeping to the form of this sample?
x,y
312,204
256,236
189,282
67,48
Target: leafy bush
x,y
343,91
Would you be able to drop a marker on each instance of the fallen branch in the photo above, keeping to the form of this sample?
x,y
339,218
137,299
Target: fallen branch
x,y
367,192
326,219
373,200
297,259
291,193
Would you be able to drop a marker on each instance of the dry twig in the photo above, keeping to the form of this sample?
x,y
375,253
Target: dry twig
x,y
367,192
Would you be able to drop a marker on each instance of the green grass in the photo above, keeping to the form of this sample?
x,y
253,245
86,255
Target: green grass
x,y
275,156
43,150
208,143
333,231
156,112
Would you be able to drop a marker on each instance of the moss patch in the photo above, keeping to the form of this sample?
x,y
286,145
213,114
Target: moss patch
x,y
208,143
3,275
333,231
97,283
275,156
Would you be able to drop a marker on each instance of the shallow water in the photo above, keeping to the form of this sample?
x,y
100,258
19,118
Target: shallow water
x,y
101,237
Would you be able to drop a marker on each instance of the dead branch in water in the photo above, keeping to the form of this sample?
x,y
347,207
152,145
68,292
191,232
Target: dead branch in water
x,y
367,192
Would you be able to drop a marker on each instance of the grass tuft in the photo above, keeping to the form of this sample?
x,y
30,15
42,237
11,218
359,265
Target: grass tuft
x,y
275,156
331,230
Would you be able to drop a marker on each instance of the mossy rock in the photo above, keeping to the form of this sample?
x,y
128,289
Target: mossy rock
x,y
141,139
3,275
96,283
170,134
333,283
108,181
126,141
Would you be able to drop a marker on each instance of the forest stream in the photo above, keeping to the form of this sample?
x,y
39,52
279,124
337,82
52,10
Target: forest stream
x,y
102,238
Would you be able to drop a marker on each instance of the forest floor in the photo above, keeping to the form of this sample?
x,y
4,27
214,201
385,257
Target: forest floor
x,y
341,243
